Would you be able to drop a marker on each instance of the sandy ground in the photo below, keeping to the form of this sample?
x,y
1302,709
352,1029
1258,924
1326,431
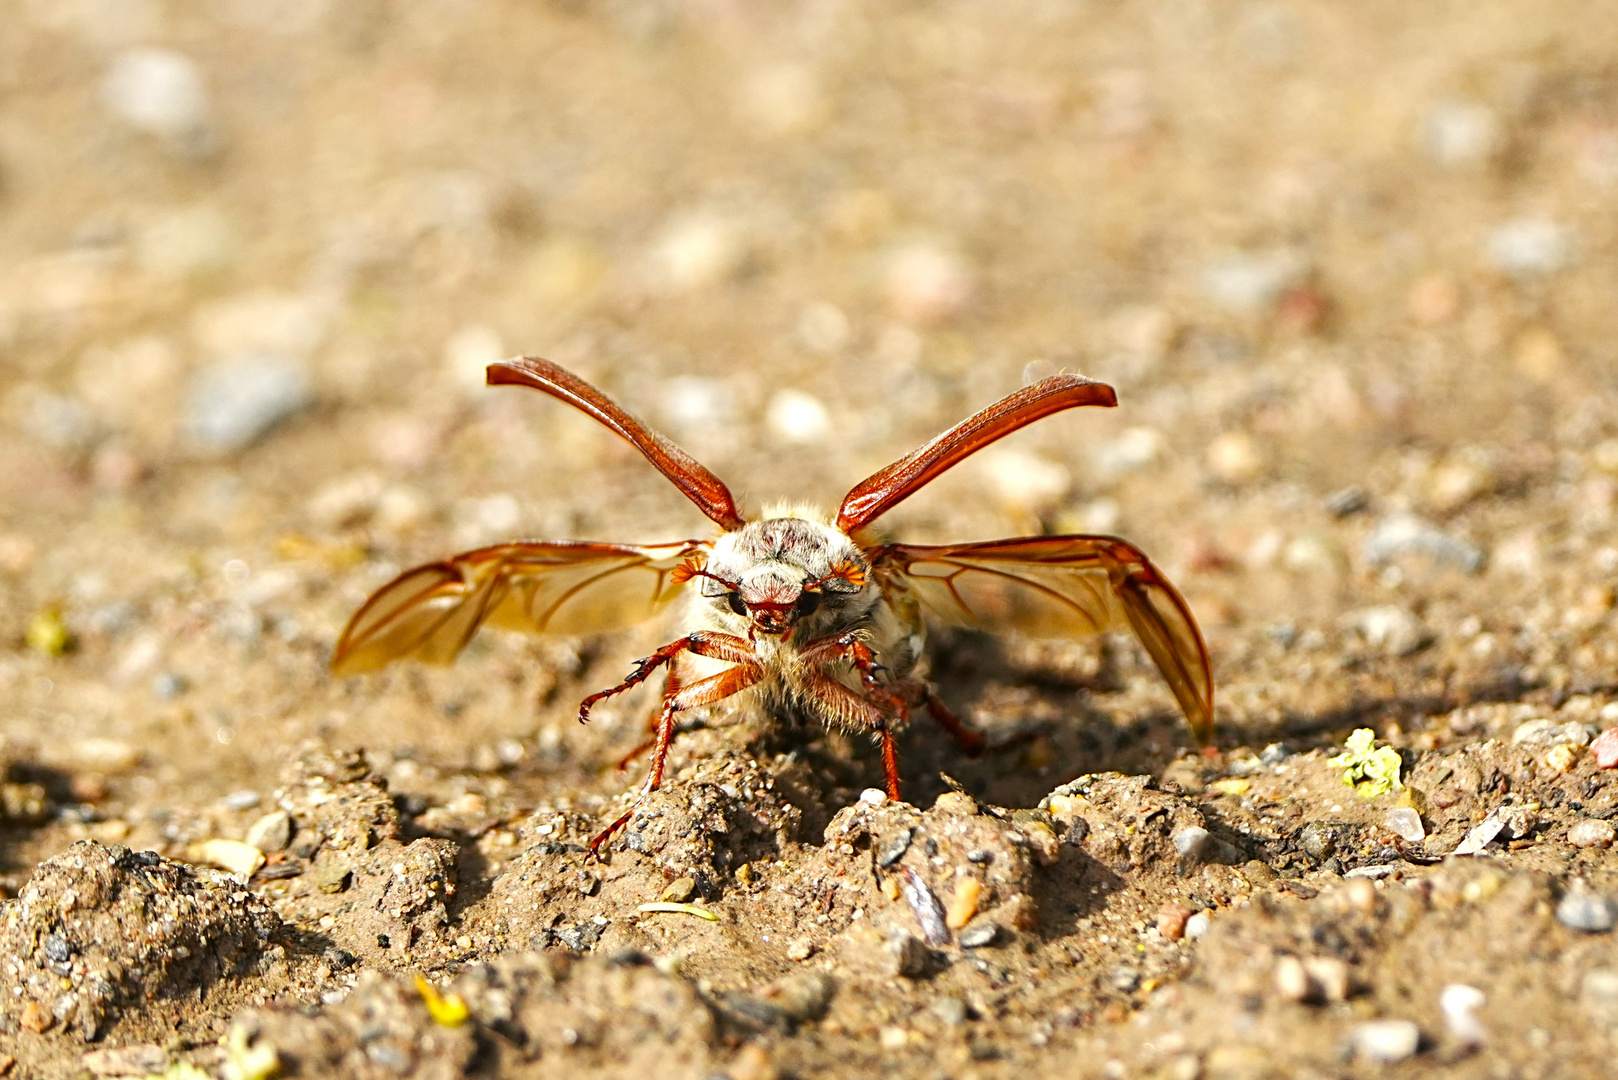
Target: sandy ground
x,y
1350,267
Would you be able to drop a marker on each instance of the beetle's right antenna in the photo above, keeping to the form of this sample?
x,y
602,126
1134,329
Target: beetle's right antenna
x,y
702,487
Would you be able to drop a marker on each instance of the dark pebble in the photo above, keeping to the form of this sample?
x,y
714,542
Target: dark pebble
x,y
895,849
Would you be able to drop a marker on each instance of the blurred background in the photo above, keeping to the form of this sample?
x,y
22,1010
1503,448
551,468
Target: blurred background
x,y
1350,267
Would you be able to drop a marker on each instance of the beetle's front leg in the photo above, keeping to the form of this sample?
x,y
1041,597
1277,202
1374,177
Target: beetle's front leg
x,y
702,643
676,699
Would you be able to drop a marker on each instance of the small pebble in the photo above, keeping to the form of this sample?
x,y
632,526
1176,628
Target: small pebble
x,y
1529,247
233,403
1406,824
1247,283
138,1059
1405,534
35,1018
1386,1042
232,855
1198,925
1591,832
1461,132
245,799
1372,873
333,879
157,90
909,956
1544,732
1586,911
1319,840
925,906
798,417
1481,836
272,832
1605,748
1390,628
928,283
1235,458
1459,1003
980,934
1345,501
895,849
1292,982
965,903
800,949
679,891
1275,753
950,1011
873,797
1193,843
1171,920
1598,992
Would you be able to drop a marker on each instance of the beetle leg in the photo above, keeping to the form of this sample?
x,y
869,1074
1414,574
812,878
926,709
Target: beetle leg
x,y
901,695
675,701
970,740
702,643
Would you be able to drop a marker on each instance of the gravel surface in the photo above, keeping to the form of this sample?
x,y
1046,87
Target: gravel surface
x,y
1350,268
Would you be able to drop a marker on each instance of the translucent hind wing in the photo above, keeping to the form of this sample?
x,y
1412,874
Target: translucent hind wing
x,y
565,587
1059,586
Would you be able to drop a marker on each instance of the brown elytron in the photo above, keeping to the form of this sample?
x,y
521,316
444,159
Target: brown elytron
x,y
793,607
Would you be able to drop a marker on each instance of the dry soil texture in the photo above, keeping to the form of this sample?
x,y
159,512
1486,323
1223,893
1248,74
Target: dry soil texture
x,y
1351,267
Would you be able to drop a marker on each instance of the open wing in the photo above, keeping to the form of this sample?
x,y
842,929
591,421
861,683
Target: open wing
x,y
882,491
1059,586
564,587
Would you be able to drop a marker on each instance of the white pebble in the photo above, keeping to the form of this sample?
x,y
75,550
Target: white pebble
x,y
797,417
823,327
1591,832
1459,1003
1530,247
235,402
240,859
1405,534
1461,132
1135,449
1386,1042
1247,283
697,250
1390,628
157,90
1481,836
692,404
785,99
1197,925
1545,732
1235,458
1586,911
874,797
1405,823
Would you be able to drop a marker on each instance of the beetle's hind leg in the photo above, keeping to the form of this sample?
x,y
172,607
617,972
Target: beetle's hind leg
x,y
971,741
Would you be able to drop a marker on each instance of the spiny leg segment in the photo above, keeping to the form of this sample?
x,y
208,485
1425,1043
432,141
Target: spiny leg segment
x,y
677,698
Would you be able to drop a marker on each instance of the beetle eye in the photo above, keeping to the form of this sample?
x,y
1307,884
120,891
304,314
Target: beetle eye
x,y
808,602
734,599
